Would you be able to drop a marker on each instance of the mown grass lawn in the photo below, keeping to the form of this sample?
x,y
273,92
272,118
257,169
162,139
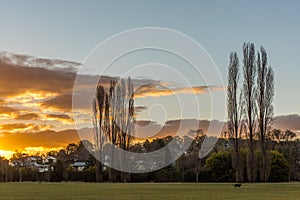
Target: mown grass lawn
x,y
151,191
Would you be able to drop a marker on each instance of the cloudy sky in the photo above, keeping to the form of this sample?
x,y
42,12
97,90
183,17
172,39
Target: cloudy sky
x,y
43,45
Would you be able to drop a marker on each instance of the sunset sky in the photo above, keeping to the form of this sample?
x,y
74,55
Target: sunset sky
x,y
43,45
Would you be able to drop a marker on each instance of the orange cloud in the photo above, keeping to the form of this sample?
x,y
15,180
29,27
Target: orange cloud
x,y
28,116
23,128
158,91
61,102
17,80
60,117
7,112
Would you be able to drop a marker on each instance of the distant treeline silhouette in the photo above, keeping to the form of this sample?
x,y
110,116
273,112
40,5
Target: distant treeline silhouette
x,y
76,163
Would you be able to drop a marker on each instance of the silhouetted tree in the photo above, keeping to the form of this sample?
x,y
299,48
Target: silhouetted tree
x,y
234,112
4,169
249,94
114,120
98,107
264,101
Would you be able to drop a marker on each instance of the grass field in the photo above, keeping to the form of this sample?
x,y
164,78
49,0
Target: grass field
x,y
151,191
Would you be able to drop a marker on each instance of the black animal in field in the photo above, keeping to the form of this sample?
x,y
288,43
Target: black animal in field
x,y
237,185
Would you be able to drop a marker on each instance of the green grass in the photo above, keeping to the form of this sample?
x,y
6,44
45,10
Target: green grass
x,y
151,191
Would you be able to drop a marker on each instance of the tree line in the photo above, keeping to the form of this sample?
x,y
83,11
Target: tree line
x,y
218,166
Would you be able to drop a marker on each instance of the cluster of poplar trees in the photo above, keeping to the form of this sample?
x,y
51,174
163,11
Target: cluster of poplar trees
x,y
250,110
113,109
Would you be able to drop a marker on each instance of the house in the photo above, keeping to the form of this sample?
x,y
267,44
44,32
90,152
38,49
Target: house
x,y
50,160
30,161
34,162
78,166
41,168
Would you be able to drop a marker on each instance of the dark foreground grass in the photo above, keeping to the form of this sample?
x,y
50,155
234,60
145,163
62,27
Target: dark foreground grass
x,y
151,191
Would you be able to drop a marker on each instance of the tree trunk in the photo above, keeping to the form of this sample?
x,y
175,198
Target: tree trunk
x,y
99,177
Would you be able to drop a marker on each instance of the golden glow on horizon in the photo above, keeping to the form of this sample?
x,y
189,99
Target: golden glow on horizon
x,y
40,150
28,150
6,154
